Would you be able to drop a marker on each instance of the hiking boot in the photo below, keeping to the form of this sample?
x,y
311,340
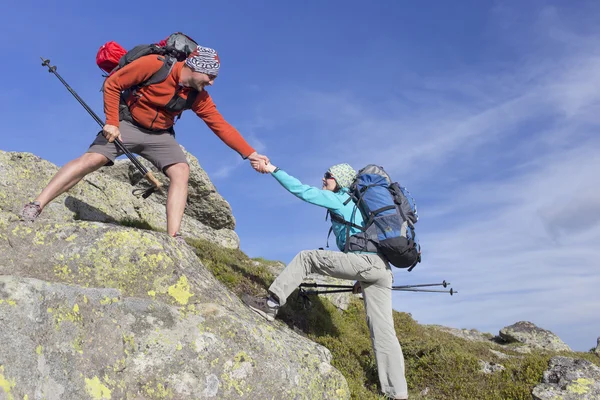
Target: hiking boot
x,y
261,306
179,239
30,212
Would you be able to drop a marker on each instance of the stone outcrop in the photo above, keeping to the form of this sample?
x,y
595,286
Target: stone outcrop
x,y
95,310
487,367
204,202
100,197
532,336
569,379
472,335
93,307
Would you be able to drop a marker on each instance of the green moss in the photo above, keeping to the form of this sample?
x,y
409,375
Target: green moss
x,y
232,267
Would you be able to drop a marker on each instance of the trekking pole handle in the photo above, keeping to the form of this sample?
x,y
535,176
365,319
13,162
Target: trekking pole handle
x,y
153,180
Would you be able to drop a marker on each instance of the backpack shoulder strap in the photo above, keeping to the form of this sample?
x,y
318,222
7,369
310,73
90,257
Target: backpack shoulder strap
x,y
162,73
137,52
341,220
191,99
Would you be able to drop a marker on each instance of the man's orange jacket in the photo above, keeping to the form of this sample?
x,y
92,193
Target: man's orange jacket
x,y
147,106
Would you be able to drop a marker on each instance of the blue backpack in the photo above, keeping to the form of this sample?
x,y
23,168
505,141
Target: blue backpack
x,y
390,214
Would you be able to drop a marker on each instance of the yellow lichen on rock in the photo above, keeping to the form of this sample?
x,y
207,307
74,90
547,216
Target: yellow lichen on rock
x,y
580,386
96,389
181,291
6,384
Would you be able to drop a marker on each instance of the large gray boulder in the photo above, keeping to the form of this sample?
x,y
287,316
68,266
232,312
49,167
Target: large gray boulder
x,y
569,379
95,310
537,338
204,202
98,197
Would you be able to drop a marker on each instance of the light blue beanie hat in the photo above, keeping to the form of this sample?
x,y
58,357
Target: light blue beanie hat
x,y
343,174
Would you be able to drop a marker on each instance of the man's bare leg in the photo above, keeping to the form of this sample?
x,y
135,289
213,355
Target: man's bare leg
x,y
71,173
177,197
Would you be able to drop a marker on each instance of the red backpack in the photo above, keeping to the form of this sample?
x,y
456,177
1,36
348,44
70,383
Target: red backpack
x,y
176,47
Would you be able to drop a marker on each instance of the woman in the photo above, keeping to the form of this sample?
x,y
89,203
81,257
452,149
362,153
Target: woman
x,y
369,269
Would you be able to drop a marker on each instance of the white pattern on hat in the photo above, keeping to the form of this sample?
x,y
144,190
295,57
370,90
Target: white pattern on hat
x,y
343,174
204,60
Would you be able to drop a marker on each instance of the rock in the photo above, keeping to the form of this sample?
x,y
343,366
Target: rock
x,y
98,197
490,367
569,379
523,349
472,335
95,310
529,334
597,349
204,202
500,355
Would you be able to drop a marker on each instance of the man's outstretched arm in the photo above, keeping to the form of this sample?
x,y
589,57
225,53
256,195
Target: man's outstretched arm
x,y
205,109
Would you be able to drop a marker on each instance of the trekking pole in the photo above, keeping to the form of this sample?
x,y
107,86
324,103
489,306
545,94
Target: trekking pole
x,y
311,284
346,288
317,285
147,174
451,291
444,284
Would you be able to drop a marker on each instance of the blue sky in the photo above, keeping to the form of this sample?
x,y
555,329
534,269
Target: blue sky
x,y
487,111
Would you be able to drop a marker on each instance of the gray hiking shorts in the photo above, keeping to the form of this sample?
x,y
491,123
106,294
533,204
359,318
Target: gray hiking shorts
x,y
160,148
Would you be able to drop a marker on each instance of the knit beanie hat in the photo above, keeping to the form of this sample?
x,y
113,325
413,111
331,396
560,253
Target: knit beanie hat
x,y
343,174
204,60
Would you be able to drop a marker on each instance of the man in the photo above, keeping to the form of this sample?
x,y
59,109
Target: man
x,y
145,125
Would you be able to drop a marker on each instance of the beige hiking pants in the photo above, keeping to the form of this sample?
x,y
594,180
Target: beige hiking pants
x,y
375,277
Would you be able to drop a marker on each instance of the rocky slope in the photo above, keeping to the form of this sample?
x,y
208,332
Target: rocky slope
x,y
93,309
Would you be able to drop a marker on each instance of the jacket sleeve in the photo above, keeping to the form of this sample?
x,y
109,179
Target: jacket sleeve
x,y
130,75
205,108
310,194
